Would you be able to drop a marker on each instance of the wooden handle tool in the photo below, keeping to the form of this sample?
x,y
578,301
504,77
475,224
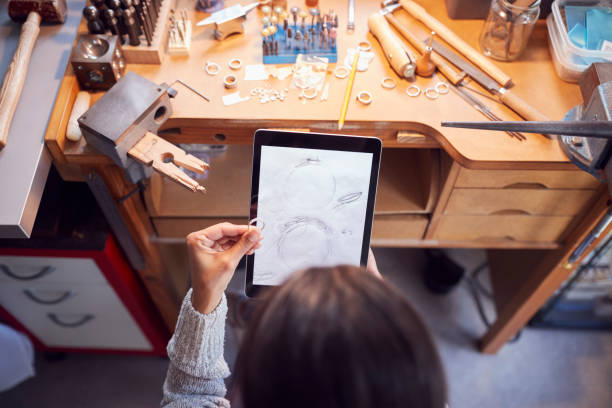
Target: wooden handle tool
x,y
450,37
445,68
392,46
16,74
520,106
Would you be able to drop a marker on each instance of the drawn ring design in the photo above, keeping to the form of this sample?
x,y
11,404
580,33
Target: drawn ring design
x,y
431,93
256,222
309,93
413,90
388,82
230,81
212,68
341,72
365,46
442,88
365,97
235,64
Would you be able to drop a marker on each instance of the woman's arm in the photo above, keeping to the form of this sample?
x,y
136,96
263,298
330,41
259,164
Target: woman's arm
x,y
197,368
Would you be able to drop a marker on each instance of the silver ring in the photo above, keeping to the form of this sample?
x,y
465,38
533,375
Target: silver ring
x,y
442,88
212,68
341,72
413,90
311,95
255,221
431,93
388,82
365,46
230,81
365,97
235,64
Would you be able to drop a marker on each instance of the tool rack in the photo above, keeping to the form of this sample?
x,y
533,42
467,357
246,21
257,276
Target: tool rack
x,y
439,187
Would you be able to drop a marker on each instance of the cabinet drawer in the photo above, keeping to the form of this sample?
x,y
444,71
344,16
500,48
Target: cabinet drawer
x,y
390,230
49,269
90,316
501,227
553,179
527,201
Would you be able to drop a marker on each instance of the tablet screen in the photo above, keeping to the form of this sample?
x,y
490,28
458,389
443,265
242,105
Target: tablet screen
x,y
313,205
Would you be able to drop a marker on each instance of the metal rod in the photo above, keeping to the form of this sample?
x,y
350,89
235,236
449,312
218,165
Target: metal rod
x,y
600,128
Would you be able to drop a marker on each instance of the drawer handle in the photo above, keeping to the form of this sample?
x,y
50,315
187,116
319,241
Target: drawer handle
x,y
498,239
55,319
510,212
527,186
44,271
30,294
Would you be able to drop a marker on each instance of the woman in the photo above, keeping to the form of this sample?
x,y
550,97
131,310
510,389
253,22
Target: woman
x,y
328,337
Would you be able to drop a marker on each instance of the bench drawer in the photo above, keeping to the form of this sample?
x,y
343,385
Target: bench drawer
x,y
392,230
552,179
509,228
478,201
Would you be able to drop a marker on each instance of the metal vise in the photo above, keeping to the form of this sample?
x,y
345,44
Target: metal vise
x,y
123,125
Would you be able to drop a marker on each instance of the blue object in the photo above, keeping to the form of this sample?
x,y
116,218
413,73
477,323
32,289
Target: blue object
x,y
578,35
288,55
598,27
210,6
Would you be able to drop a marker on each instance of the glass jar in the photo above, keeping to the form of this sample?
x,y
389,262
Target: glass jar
x,y
508,27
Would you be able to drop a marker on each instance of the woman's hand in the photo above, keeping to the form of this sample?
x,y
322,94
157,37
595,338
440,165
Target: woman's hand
x,y
214,254
372,267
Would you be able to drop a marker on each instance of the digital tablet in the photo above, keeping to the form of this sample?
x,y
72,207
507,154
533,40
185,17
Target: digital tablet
x,y
313,196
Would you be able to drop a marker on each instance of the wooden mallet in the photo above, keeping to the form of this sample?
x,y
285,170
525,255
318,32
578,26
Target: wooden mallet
x,y
32,12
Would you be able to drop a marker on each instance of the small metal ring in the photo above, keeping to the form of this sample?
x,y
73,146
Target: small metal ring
x,y
311,95
413,91
212,68
341,72
442,88
365,97
235,64
230,81
388,82
431,93
365,46
257,221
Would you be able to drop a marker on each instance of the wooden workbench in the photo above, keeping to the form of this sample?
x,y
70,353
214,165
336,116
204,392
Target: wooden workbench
x,y
440,187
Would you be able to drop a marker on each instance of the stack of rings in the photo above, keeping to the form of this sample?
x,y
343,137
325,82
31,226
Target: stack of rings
x,y
230,81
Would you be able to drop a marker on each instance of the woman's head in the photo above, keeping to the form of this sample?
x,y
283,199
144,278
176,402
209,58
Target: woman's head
x,y
338,337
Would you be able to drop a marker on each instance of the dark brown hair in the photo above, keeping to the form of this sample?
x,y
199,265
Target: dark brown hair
x,y
335,338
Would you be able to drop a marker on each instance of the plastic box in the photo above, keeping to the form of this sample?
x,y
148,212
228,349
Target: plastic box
x,y
570,60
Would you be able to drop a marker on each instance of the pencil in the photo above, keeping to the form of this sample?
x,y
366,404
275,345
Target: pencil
x,y
349,88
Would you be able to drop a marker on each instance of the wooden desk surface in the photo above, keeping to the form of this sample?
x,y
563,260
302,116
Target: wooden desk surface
x,y
534,77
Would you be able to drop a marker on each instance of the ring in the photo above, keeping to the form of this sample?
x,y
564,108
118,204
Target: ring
x,y
311,95
230,81
431,93
442,88
413,90
255,221
341,72
212,68
365,97
365,46
388,82
235,64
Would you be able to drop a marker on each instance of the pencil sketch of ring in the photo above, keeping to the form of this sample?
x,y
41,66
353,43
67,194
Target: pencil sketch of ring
x,y
365,97
365,46
235,64
257,223
230,81
413,90
442,88
388,83
431,93
212,68
341,72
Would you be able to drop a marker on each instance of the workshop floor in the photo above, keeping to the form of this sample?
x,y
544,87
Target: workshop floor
x,y
548,369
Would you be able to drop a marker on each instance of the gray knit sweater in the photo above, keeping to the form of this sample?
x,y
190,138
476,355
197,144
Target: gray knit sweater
x,y
197,367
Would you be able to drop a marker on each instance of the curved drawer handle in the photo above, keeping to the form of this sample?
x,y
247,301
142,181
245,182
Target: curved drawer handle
x,y
527,186
510,212
44,271
30,294
55,319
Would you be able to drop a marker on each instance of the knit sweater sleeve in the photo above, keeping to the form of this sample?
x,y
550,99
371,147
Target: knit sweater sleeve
x,y
197,367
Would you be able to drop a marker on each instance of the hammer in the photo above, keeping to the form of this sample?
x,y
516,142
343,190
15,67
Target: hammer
x,y
32,12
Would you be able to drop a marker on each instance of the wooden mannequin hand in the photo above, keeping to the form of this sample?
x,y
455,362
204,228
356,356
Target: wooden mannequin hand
x,y
214,254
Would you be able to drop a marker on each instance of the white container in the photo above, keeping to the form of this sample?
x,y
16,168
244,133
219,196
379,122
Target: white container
x,y
569,59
